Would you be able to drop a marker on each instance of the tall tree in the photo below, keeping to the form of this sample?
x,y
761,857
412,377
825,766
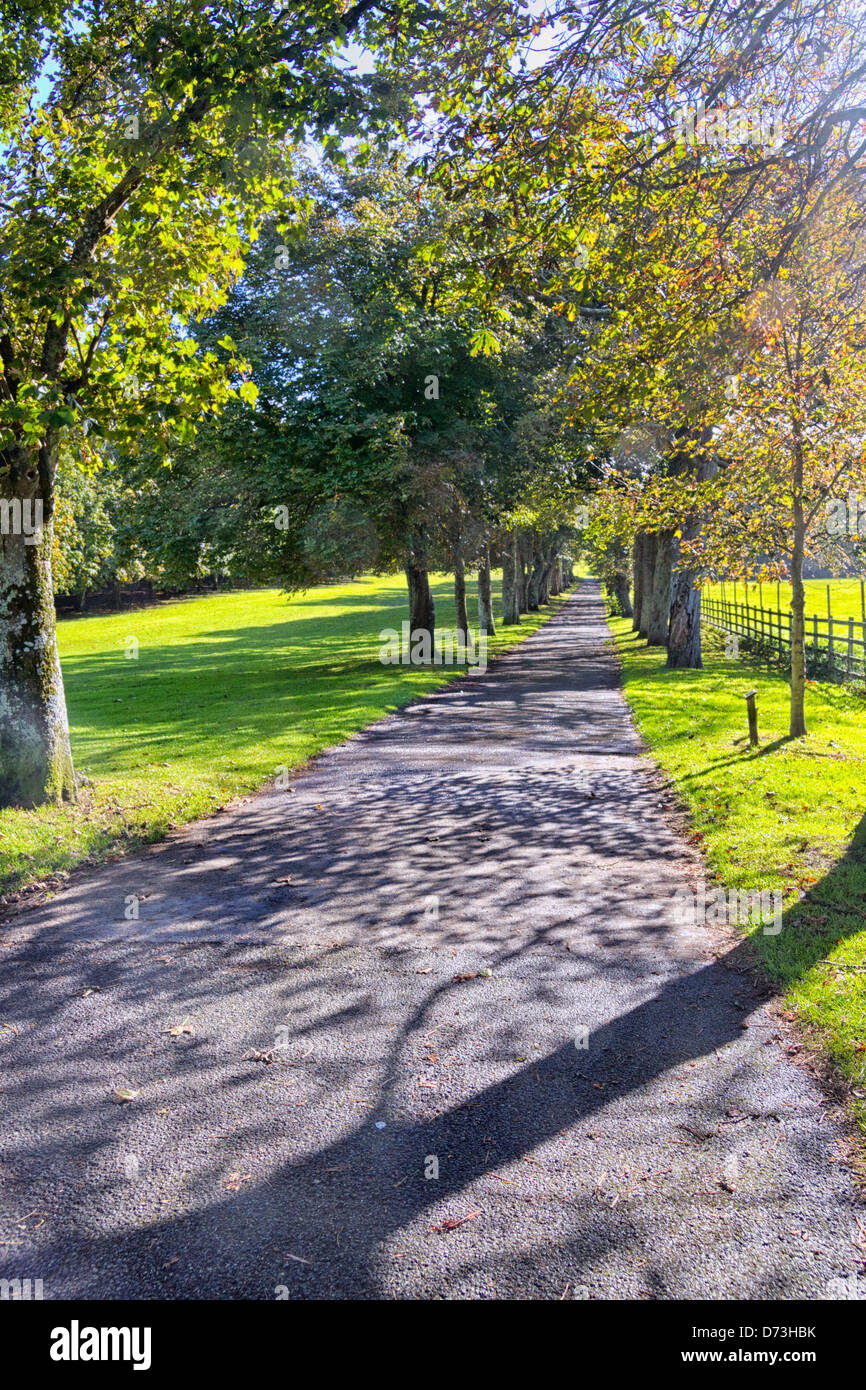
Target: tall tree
x,y
142,144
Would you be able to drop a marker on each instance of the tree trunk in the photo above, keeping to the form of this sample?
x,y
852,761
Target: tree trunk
x,y
660,598
648,550
619,587
638,580
462,621
510,582
556,578
533,598
524,561
684,628
422,614
797,726
544,583
35,756
485,598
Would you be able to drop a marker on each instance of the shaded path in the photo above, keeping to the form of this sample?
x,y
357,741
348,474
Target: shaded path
x,y
506,823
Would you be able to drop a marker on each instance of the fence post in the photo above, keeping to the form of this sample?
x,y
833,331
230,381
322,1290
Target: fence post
x,y
753,718
850,647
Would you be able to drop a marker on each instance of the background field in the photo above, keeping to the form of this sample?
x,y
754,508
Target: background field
x,y
844,596
223,692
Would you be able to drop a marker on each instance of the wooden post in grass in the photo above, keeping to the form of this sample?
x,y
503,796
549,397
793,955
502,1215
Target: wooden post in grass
x,y
752,711
830,633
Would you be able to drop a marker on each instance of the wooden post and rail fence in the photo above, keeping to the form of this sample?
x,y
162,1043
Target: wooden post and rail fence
x,y
835,647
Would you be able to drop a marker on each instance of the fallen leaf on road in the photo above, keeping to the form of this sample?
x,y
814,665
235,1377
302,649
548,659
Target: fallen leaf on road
x,y
698,1133
452,1222
123,1093
458,979
233,1183
178,1029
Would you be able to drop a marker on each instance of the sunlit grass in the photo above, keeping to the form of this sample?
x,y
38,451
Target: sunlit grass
x,y
845,596
789,815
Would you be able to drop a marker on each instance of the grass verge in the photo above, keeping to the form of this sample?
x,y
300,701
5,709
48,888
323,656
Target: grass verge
x,y
179,708
788,815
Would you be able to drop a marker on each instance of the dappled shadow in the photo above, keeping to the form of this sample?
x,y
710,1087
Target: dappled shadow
x,y
306,680
222,1221
501,797
610,1104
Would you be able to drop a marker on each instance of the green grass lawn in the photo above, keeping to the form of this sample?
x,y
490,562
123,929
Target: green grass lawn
x,y
787,815
223,692
845,598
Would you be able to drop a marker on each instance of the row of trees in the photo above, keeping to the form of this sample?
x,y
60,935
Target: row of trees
x,y
143,146
375,434
722,281
568,283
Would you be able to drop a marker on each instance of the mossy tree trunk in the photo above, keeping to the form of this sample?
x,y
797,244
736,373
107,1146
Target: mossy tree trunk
x,y
35,756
